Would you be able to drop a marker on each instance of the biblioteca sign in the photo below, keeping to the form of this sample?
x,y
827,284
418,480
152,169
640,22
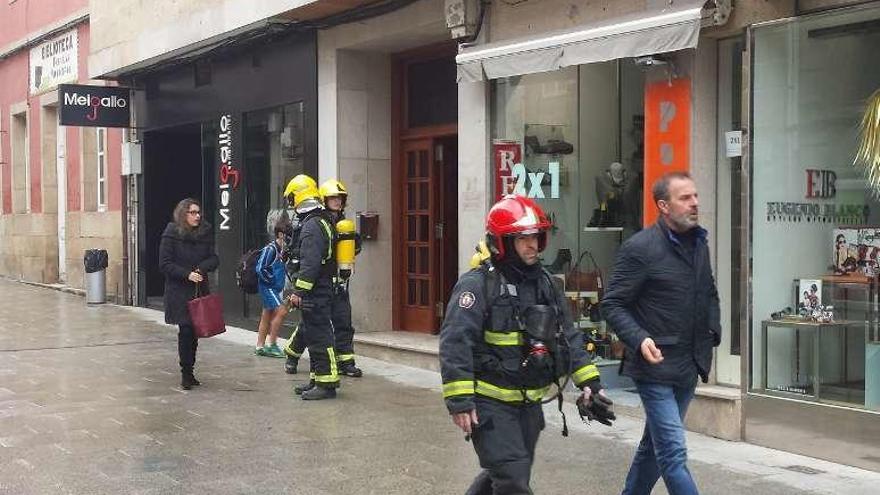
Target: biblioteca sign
x,y
54,62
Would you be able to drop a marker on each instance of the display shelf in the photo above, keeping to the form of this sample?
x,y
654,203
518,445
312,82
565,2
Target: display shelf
x,y
581,294
585,323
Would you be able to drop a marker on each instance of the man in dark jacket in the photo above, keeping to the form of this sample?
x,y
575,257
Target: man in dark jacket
x,y
186,255
506,338
663,304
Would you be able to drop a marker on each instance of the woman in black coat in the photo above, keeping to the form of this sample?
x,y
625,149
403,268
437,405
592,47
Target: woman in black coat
x,y
186,255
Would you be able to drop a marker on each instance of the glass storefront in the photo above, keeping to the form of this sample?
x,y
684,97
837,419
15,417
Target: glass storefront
x,y
573,140
273,154
815,219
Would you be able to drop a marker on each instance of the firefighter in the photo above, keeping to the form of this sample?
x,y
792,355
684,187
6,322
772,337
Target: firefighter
x,y
313,287
334,197
506,340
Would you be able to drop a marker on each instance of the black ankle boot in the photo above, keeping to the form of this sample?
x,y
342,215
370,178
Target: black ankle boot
x,y
319,393
187,380
304,387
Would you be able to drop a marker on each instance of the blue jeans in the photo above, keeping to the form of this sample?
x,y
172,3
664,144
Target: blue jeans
x,y
662,451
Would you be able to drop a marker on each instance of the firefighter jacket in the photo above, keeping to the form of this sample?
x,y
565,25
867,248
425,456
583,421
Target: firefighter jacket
x,y
315,250
482,345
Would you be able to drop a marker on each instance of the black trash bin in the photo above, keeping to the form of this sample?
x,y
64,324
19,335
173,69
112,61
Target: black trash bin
x,y
95,261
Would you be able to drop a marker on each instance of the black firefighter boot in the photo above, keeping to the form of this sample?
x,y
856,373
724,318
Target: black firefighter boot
x,y
290,365
304,387
348,368
319,393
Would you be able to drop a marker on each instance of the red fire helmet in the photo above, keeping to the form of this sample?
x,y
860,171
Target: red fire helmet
x,y
515,215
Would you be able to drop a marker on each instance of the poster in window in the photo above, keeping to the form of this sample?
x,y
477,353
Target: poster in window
x,y
667,135
505,154
809,294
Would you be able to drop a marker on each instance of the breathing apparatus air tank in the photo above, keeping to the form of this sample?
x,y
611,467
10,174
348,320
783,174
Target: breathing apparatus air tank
x,y
345,247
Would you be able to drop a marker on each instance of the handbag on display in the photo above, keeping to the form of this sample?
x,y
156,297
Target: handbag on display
x,y
206,313
579,279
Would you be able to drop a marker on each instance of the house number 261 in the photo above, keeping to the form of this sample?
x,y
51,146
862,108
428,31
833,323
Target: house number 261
x,y
529,183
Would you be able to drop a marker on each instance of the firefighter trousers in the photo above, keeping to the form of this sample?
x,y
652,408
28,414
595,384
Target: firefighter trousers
x,y
315,333
343,331
342,328
505,442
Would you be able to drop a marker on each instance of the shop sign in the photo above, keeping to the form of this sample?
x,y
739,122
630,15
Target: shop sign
x,y
94,106
229,175
821,184
667,134
54,62
838,214
512,177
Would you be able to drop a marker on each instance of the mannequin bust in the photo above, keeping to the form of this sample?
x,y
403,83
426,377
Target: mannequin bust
x,y
617,193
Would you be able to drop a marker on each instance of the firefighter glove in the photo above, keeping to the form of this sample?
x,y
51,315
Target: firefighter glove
x,y
597,407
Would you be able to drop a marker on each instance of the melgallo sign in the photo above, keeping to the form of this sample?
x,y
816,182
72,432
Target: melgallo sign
x,y
94,106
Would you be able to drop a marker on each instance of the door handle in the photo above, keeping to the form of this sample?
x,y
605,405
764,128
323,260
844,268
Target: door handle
x,y
438,230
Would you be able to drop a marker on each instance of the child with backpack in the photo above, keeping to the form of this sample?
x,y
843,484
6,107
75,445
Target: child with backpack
x,y
271,275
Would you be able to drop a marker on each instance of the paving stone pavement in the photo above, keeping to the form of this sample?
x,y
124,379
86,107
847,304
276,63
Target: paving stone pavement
x,y
90,403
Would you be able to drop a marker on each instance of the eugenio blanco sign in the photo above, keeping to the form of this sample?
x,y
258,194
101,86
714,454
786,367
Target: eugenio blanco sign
x,y
54,62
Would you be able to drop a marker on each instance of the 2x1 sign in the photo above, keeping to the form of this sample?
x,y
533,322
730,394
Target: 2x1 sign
x,y
94,106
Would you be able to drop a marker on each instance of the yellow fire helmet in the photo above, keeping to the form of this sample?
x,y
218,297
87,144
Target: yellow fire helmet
x,y
301,188
333,188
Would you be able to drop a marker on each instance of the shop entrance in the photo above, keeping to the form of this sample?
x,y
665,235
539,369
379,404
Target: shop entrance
x,y
426,194
172,171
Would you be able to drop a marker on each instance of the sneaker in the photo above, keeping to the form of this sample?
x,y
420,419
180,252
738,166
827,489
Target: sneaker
x,y
274,351
261,351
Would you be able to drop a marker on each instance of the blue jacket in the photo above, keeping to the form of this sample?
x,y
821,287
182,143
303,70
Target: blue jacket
x,y
658,291
270,268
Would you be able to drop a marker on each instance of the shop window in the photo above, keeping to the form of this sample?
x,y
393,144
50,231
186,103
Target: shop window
x,y
815,219
573,140
21,197
101,168
432,92
273,154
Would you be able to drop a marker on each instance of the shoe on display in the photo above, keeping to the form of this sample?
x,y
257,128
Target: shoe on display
x,y
319,393
557,147
290,365
304,387
349,369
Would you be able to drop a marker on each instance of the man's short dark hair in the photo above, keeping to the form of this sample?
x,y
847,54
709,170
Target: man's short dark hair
x,y
660,189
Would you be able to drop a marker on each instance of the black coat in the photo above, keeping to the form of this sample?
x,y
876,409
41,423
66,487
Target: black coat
x,y
657,291
178,256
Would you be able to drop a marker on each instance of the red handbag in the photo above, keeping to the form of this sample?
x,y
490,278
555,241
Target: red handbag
x,y
206,313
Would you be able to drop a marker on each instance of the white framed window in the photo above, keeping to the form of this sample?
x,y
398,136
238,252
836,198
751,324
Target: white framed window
x,y
101,163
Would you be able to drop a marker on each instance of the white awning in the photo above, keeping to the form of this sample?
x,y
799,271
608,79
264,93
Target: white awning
x,y
672,28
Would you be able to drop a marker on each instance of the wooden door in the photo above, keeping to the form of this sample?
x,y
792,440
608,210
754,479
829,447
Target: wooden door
x,y
420,257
